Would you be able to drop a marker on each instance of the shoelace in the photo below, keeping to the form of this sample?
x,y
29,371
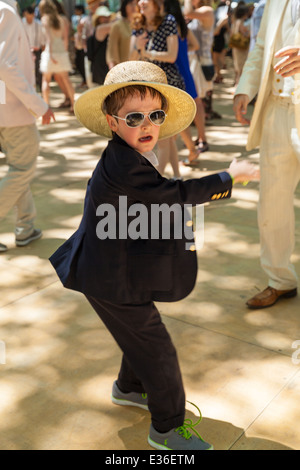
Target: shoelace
x,y
188,424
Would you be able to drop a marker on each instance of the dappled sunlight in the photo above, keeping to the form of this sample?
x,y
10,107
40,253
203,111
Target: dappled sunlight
x,y
13,391
274,340
231,282
77,175
249,195
28,262
69,195
242,248
245,205
60,360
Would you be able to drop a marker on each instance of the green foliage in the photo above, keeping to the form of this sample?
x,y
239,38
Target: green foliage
x,y
25,3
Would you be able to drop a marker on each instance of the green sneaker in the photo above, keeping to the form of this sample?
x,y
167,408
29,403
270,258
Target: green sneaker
x,y
129,399
179,438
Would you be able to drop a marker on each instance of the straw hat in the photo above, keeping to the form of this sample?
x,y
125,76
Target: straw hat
x,y
103,11
181,106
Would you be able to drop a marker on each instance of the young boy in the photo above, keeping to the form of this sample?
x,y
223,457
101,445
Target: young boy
x,y
121,266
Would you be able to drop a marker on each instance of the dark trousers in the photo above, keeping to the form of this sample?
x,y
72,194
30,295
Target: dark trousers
x,y
79,62
149,361
38,75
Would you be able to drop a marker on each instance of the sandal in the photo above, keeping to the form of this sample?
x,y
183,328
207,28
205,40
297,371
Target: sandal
x,y
188,162
65,104
202,147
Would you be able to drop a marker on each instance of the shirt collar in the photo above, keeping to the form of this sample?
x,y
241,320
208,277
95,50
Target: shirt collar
x,y
150,156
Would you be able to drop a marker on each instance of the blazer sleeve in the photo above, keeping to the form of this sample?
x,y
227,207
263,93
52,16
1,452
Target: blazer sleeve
x,y
11,34
138,179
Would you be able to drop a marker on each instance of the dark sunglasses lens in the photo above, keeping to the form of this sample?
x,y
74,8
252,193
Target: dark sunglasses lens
x,y
158,117
134,119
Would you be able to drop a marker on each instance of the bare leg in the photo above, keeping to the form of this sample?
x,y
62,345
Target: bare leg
x,y
163,155
67,84
167,153
60,82
46,79
174,157
200,120
188,142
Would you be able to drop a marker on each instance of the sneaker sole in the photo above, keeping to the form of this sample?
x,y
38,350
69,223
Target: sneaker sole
x,y
27,242
120,401
156,445
163,447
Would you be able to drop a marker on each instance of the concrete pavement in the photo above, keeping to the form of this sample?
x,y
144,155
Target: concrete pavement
x,y
241,367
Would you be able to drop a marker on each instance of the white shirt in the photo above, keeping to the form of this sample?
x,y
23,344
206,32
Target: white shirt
x,y
22,104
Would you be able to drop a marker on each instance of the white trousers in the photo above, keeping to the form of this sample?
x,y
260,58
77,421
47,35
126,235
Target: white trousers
x,y
21,147
280,175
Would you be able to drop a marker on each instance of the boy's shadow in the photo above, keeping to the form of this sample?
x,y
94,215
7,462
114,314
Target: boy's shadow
x,y
223,435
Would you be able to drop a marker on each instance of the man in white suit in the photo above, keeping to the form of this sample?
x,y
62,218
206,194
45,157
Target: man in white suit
x,y
20,105
271,73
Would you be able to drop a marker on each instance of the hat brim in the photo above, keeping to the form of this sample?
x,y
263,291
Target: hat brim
x,y
180,114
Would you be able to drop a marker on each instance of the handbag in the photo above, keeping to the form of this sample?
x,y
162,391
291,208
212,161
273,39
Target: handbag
x,y
239,41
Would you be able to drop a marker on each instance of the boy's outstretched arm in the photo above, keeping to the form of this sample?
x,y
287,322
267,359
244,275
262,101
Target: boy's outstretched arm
x,y
243,171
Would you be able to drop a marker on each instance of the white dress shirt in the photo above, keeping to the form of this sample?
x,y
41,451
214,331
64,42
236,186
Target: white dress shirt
x,y
34,33
22,104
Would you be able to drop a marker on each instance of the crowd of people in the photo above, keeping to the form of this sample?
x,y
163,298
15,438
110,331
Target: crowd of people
x,y
188,39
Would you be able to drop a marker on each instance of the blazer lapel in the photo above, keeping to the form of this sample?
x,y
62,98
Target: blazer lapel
x,y
277,9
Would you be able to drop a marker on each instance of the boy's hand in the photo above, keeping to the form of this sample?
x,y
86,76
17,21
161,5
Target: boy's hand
x,y
243,171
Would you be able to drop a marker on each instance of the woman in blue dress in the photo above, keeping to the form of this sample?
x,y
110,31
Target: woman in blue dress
x,y
188,42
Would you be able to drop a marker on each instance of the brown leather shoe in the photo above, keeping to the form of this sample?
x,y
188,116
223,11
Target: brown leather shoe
x,y
269,297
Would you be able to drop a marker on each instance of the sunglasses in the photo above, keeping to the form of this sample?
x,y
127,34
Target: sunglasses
x,y
136,119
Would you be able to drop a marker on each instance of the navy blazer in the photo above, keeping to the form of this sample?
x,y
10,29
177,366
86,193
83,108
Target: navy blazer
x,y
119,268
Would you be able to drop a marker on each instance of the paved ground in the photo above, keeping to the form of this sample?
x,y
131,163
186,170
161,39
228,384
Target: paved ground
x,y
237,364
